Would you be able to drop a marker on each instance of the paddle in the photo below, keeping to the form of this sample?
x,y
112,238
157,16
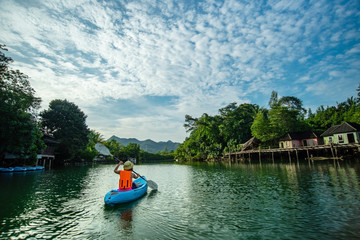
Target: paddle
x,y
105,151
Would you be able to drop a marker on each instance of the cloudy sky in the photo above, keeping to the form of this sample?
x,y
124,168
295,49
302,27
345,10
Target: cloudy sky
x,y
137,67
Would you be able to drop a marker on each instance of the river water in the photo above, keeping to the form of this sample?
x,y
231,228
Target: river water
x,y
201,201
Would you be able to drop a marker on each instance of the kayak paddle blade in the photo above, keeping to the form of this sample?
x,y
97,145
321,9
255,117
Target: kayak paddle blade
x,y
102,149
152,184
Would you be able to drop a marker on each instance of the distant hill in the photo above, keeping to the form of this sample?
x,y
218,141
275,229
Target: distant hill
x,y
148,145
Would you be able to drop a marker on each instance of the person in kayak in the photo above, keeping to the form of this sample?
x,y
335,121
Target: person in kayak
x,y
126,176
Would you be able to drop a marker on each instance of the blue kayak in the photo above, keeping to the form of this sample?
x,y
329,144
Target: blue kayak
x,y
6,170
21,169
116,197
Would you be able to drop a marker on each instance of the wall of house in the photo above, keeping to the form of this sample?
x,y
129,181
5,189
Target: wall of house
x,y
311,142
299,143
296,143
327,140
289,144
342,138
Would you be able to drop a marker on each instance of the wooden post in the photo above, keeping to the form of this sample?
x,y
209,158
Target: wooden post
x,y
297,156
272,155
332,150
307,150
260,156
235,155
249,158
336,152
289,156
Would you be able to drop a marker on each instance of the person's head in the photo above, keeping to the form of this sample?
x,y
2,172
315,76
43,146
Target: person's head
x,y
128,165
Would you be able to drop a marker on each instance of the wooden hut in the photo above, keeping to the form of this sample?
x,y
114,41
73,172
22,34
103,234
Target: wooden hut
x,y
252,144
345,133
49,152
300,139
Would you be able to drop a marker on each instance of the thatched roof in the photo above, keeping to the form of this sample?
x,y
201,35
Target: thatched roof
x,y
251,144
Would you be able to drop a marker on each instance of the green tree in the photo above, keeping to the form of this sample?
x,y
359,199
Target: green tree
x,y
273,99
19,131
210,136
285,115
68,125
90,152
236,122
116,149
132,150
261,127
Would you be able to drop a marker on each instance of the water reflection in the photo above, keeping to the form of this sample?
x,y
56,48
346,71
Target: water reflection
x,y
293,196
200,201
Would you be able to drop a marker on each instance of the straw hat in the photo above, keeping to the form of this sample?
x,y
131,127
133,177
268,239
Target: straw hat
x,y
128,165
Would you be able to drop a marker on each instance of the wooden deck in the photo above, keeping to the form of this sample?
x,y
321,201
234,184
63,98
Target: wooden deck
x,y
321,152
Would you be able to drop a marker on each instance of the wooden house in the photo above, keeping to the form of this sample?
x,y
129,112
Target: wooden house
x,y
344,133
251,144
299,139
49,152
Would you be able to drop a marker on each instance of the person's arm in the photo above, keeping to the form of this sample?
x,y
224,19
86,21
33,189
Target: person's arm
x,y
116,170
134,175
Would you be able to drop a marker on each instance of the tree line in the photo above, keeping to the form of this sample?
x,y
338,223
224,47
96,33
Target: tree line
x,y
211,136
22,128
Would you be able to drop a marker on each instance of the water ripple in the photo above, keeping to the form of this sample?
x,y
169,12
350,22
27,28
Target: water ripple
x,y
193,202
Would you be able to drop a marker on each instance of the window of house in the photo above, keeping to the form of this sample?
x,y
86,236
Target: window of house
x,y
330,140
340,138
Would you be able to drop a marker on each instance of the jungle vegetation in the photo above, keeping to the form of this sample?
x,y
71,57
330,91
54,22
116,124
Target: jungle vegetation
x,y
20,132
211,136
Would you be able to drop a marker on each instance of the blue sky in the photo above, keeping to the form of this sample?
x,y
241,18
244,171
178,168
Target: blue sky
x,y
137,67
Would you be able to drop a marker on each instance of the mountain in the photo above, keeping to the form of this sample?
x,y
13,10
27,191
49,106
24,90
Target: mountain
x,y
148,145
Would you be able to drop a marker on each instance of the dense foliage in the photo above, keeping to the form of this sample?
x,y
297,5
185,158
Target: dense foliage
x,y
67,123
324,118
285,115
90,153
20,134
211,136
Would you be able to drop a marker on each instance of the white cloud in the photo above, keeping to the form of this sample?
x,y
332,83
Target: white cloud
x,y
205,55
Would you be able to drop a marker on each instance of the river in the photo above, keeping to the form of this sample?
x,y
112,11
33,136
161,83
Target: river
x,y
199,201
